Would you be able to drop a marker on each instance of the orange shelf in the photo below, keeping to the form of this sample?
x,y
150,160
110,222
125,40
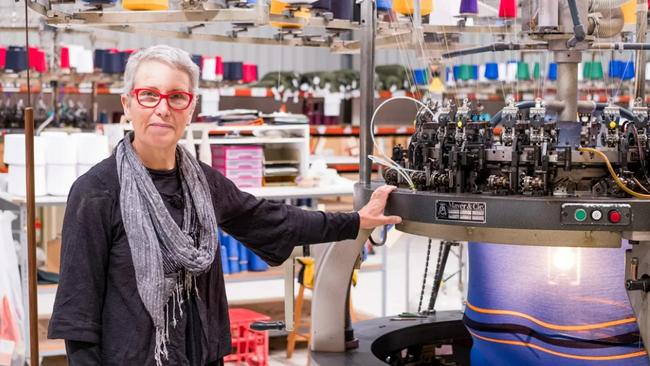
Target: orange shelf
x,y
324,131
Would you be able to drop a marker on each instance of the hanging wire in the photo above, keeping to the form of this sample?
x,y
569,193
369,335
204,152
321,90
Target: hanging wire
x,y
424,279
502,81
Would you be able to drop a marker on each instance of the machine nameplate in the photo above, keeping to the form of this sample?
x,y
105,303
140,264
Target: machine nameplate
x,y
461,211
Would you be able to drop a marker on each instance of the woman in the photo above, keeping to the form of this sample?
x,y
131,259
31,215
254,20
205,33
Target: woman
x,y
139,284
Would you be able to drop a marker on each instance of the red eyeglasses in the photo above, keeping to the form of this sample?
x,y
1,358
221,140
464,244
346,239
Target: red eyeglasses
x,y
149,98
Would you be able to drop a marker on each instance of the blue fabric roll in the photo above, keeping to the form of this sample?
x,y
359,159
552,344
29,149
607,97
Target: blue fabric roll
x,y
224,259
552,71
539,306
16,59
223,251
233,252
384,5
255,263
474,72
243,257
492,71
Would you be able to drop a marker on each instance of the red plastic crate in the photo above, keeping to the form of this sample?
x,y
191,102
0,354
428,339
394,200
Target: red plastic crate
x,y
249,347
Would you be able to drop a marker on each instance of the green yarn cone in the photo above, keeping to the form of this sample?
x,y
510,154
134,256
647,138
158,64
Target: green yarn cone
x,y
465,72
523,71
537,73
596,72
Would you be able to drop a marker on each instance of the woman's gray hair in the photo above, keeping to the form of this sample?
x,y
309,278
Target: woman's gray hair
x,y
171,56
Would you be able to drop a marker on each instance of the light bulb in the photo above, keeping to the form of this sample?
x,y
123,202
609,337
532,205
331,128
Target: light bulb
x,y
563,266
564,259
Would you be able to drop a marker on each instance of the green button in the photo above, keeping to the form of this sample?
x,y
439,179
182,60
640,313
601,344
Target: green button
x,y
580,215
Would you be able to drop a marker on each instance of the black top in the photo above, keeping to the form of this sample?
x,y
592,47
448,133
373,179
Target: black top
x,y
97,302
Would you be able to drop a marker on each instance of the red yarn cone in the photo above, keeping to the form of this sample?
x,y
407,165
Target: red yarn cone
x,y
65,58
218,66
3,56
508,9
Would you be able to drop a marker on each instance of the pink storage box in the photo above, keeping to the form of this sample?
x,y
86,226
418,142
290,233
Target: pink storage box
x,y
248,183
237,152
233,174
240,164
245,178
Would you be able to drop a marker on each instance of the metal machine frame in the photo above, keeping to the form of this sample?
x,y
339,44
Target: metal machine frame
x,y
505,218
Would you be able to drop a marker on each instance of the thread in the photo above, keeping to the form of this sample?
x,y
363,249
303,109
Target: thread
x,y
406,7
615,70
99,56
523,71
469,7
342,9
386,5
249,73
508,9
552,71
421,76
219,67
65,58
16,59
629,12
628,70
492,71
586,70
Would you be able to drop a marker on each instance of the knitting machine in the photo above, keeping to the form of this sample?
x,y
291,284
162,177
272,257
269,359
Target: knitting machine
x,y
525,149
563,173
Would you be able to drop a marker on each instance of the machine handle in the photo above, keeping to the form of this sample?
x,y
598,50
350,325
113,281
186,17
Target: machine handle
x,y
383,238
641,284
264,326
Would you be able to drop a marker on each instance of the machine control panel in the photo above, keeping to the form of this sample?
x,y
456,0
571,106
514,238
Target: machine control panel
x,y
619,214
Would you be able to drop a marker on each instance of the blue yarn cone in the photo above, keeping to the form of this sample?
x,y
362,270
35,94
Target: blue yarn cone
x,y
552,71
492,71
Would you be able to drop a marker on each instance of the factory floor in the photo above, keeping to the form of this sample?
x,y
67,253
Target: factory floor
x,y
279,358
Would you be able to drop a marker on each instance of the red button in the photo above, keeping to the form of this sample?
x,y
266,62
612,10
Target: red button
x,y
614,216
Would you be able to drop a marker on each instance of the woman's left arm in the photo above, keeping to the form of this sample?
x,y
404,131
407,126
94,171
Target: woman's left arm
x,y
272,229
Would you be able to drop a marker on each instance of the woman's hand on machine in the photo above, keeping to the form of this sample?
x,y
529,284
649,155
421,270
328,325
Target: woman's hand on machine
x,y
372,214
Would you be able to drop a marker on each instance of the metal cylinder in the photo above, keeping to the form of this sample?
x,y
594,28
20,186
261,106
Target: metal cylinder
x,y
564,15
601,5
639,60
31,237
548,14
367,88
567,90
606,27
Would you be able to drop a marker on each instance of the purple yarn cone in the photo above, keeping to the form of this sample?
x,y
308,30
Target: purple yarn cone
x,y
469,7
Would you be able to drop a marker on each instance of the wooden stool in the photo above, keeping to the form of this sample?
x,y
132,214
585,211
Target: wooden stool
x,y
306,280
295,336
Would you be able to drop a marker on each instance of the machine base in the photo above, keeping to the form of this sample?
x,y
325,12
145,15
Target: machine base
x,y
382,341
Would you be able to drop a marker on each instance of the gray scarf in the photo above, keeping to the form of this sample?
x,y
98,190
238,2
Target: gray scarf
x,y
166,258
